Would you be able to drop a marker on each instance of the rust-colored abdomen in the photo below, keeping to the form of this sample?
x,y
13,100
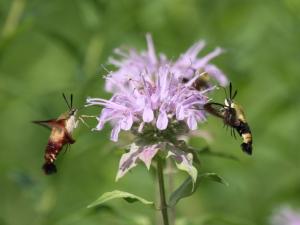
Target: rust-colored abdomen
x,y
54,146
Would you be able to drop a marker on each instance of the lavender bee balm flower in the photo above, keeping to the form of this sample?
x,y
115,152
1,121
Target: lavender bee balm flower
x,y
150,99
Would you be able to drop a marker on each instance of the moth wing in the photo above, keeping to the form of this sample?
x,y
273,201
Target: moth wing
x,y
215,109
50,123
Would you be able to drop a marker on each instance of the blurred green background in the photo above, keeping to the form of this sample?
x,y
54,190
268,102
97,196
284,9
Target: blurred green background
x,y
51,47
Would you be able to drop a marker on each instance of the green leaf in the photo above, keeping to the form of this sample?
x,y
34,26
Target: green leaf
x,y
214,177
184,147
107,196
183,161
186,189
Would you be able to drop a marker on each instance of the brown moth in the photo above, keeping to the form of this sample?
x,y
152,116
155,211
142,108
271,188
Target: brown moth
x,y
61,135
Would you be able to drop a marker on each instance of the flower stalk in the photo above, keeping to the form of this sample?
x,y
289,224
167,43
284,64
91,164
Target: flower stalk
x,y
163,204
170,189
159,101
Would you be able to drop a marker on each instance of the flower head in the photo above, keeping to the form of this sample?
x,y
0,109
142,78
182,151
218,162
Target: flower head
x,y
132,64
148,89
286,216
156,99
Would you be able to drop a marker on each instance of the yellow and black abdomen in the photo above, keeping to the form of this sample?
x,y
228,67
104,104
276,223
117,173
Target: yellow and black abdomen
x,y
245,133
243,128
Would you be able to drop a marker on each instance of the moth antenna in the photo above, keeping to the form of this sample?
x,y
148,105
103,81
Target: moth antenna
x,y
225,92
66,101
71,100
230,90
234,94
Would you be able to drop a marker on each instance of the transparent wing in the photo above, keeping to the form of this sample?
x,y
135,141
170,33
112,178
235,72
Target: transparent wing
x,y
215,109
50,123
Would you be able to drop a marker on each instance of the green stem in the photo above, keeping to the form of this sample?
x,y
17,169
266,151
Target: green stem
x,y
170,188
163,204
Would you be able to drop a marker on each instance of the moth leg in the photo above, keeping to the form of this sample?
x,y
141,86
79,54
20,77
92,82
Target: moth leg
x,y
68,147
234,134
82,120
87,116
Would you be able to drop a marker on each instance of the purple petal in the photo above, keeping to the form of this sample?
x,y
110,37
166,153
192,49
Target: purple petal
x,y
203,61
148,115
162,121
216,73
151,49
194,50
191,122
141,127
100,124
180,112
126,122
147,154
191,53
115,132
286,216
163,81
155,101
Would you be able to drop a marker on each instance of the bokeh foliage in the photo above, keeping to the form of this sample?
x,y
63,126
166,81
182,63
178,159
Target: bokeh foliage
x,y
51,47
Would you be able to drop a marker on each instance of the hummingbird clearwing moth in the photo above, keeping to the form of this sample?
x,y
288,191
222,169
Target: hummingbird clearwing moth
x,y
61,135
232,115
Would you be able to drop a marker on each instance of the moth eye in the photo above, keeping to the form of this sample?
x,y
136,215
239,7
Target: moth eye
x,y
72,112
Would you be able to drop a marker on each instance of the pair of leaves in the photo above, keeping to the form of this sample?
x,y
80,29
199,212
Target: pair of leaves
x,y
182,156
186,189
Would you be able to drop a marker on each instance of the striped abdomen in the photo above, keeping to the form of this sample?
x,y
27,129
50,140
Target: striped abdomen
x,y
244,130
58,138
